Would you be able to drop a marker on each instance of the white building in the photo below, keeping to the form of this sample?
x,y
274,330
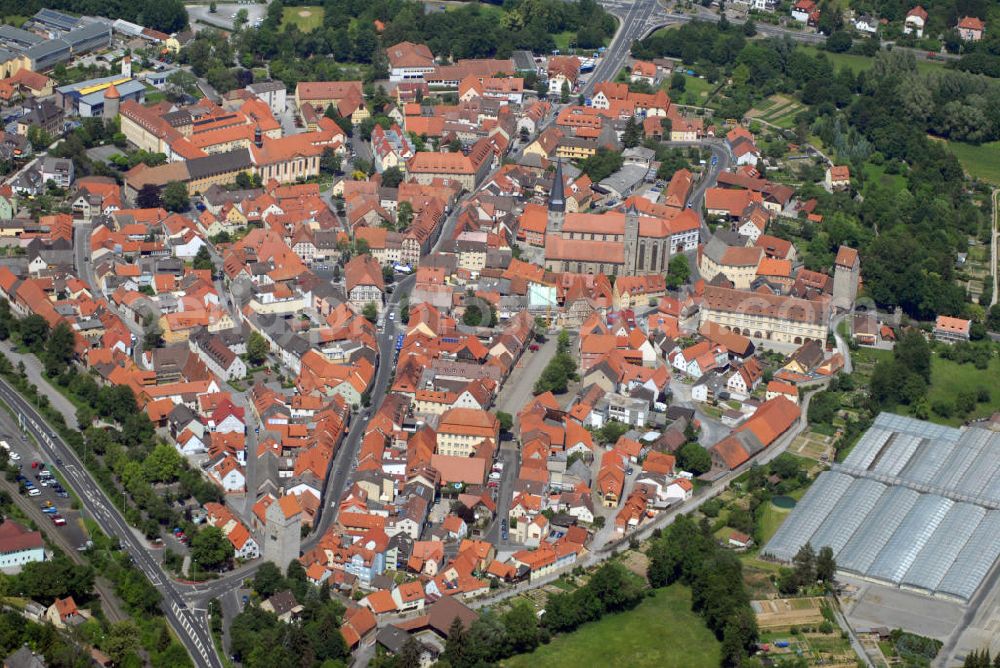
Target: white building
x,y
271,92
19,546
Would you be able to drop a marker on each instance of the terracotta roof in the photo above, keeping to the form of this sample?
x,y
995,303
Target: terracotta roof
x,y
846,257
949,324
760,304
972,23
408,54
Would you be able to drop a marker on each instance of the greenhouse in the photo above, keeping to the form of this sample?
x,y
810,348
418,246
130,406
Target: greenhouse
x,y
915,505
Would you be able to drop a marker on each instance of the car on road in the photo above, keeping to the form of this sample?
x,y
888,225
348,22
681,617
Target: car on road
x,y
58,520
392,315
13,456
493,484
715,160
533,347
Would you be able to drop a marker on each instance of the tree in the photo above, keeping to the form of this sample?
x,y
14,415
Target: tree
x,y
693,458
175,197
268,580
60,347
473,316
148,197
564,93
242,16
211,7
370,312
203,259
804,564
257,348
521,624
330,162
602,164
838,42
392,177
914,354
632,134
409,655
34,331
826,565
163,464
404,215
749,28
506,420
678,271
993,318
122,641
678,82
454,649
210,548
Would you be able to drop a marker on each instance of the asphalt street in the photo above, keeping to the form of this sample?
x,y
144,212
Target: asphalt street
x,y
191,628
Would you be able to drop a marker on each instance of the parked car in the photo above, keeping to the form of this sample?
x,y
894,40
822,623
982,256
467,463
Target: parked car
x,y
50,511
14,456
34,491
533,347
58,520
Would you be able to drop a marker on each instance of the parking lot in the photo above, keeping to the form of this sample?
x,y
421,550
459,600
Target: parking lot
x,y
50,502
201,15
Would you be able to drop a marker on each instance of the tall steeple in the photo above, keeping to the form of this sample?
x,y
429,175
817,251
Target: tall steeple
x,y
557,202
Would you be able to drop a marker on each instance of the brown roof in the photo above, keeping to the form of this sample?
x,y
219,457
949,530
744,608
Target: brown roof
x,y
408,54
15,538
363,270
328,90
760,304
847,257
584,250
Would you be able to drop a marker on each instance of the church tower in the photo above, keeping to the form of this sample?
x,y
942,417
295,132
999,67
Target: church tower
x,y
631,240
557,204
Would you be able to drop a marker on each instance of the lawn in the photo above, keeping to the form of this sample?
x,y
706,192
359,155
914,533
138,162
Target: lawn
x,y
306,18
863,63
876,174
562,39
949,378
981,161
770,520
696,91
661,632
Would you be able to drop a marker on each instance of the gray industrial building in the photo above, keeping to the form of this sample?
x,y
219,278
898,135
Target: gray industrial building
x,y
915,505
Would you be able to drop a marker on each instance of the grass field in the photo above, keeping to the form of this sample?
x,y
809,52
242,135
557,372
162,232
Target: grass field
x,y
981,161
661,632
876,174
863,63
306,18
949,378
695,90
771,520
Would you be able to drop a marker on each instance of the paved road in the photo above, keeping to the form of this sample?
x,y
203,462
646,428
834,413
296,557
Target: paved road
x,y
190,627
995,247
85,272
346,458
